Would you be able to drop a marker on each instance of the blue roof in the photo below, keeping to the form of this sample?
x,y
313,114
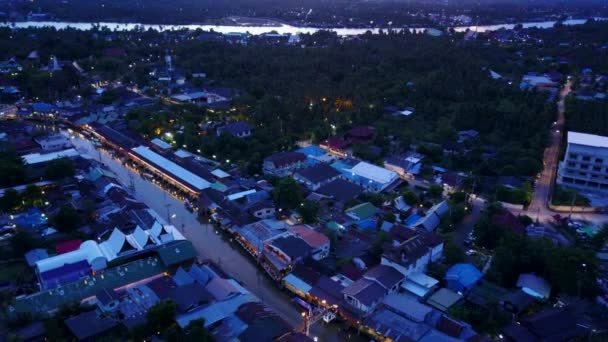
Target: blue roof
x,y
367,224
462,276
31,219
42,107
312,150
412,219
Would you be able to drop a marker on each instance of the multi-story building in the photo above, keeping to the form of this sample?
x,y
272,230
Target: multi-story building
x,y
585,163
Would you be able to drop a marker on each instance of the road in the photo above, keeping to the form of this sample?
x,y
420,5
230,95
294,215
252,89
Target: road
x,y
538,208
542,190
209,244
465,227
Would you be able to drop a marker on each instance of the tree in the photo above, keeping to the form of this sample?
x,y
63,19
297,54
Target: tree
x,y
287,193
452,252
59,169
10,200
161,316
12,169
67,219
309,211
435,191
22,242
32,196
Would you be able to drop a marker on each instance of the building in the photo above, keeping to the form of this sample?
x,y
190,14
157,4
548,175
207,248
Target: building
x,y
462,277
430,221
171,172
371,177
407,166
367,293
585,163
316,176
37,158
236,129
362,211
411,252
54,142
283,164
534,286
317,241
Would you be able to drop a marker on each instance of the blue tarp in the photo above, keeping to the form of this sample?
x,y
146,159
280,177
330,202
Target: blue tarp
x,y
462,277
312,150
367,224
412,219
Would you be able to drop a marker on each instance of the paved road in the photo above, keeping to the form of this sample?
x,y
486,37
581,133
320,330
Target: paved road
x,y
542,191
538,208
209,244
465,227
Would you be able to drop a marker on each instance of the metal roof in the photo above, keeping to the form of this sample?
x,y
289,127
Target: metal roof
x,y
170,168
36,158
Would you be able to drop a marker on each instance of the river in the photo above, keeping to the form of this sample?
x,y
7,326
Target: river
x,y
257,30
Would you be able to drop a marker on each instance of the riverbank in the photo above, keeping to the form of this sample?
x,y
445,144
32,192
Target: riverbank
x,y
277,27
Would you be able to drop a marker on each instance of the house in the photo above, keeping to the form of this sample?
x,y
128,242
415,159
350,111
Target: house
x,y
317,241
371,177
314,177
534,286
283,164
362,211
411,252
283,252
340,190
335,145
444,299
406,165
367,293
107,300
360,135
467,135
54,142
236,129
89,324
262,209
419,284
554,324
462,277
430,221
254,236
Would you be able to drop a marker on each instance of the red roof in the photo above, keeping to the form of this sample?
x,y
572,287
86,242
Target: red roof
x,y
67,246
335,144
313,238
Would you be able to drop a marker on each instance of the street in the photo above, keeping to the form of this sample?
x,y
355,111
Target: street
x,y
207,242
538,208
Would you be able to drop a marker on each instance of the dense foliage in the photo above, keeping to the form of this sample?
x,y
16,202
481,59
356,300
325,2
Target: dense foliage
x,y
587,116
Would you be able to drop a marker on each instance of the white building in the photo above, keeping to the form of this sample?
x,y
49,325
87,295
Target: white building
x,y
97,255
585,163
373,178
54,142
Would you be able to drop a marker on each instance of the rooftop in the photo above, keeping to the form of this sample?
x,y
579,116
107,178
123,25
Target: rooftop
x,y
44,301
36,158
587,139
318,173
170,167
374,173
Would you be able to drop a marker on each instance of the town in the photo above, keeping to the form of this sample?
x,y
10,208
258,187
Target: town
x,y
399,186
